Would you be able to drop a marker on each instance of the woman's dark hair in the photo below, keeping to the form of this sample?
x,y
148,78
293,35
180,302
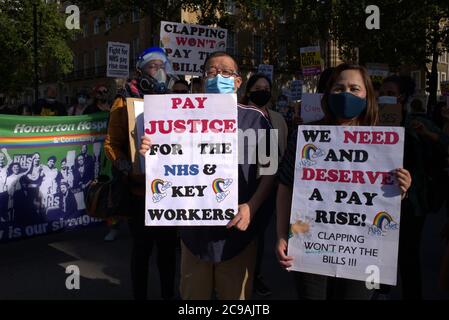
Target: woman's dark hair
x,y
12,165
250,83
370,116
324,79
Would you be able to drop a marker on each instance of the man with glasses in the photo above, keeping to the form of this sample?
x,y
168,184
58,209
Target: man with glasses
x,y
154,75
222,259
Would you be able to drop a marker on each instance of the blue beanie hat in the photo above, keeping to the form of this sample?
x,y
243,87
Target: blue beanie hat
x,y
153,53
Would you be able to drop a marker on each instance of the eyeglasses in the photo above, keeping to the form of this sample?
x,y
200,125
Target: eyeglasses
x,y
156,66
102,91
212,72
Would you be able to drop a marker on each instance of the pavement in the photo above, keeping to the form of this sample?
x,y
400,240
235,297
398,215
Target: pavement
x,y
36,268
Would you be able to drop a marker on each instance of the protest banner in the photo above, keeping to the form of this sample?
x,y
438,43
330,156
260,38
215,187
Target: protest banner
x,y
135,124
266,69
296,89
191,167
188,45
118,60
346,204
46,166
311,107
390,114
310,60
444,86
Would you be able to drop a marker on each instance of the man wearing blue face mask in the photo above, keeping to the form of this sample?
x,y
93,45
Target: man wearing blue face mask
x,y
222,259
217,258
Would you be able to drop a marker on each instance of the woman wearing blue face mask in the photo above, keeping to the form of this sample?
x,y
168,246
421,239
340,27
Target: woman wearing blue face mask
x,y
348,100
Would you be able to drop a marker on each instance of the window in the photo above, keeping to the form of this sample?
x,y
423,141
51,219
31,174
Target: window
x,y
107,23
230,7
231,46
439,80
121,19
416,76
443,76
96,26
85,31
97,60
258,13
85,62
135,15
258,53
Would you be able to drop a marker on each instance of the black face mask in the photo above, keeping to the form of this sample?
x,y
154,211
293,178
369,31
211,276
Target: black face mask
x,y
260,97
149,85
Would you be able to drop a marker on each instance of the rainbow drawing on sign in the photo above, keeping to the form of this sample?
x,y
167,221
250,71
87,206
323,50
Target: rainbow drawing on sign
x,y
309,153
158,187
382,222
219,187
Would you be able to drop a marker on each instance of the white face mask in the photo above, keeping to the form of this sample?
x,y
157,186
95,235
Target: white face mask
x,y
160,76
387,100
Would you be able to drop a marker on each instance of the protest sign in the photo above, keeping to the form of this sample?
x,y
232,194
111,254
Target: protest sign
x,y
46,167
390,114
191,167
118,60
311,107
188,45
296,89
444,86
346,204
266,69
135,125
310,60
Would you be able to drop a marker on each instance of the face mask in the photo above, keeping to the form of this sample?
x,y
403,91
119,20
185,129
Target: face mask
x,y
101,97
260,97
220,84
282,104
345,105
160,76
149,85
82,101
50,100
387,100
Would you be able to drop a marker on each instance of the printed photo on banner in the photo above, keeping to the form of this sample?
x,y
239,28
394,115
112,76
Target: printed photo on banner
x,y
345,214
188,45
46,167
191,167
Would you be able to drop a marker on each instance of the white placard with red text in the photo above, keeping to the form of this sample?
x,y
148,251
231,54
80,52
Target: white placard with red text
x,y
346,203
192,165
188,45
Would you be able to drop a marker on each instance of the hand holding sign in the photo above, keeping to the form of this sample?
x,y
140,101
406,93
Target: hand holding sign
x,y
243,218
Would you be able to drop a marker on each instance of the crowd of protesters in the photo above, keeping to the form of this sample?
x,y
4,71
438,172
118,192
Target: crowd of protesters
x,y
225,262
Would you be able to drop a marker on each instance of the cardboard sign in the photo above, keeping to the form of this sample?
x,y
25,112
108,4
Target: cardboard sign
x,y
192,165
311,107
266,69
188,45
346,206
118,60
310,60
